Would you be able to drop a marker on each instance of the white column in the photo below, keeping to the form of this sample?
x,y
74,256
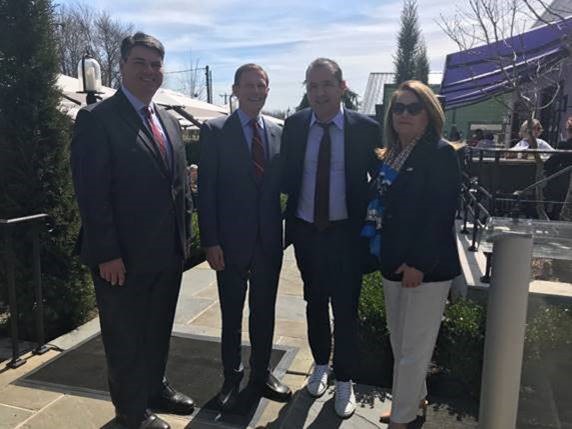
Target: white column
x,y
506,322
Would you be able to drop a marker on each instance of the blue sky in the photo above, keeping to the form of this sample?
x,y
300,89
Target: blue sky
x,y
283,37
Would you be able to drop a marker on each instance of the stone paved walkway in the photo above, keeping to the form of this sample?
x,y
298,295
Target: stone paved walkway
x,y
197,313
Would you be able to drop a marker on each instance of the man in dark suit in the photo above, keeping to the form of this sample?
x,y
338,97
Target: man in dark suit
x,y
128,165
241,229
327,153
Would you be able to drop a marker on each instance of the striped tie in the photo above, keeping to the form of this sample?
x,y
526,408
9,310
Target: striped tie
x,y
257,150
157,136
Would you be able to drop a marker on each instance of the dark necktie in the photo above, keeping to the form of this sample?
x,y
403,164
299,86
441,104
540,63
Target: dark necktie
x,y
157,136
322,193
257,150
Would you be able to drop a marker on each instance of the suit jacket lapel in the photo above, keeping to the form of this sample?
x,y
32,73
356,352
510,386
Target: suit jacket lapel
x,y
350,131
144,136
302,143
237,140
272,138
172,135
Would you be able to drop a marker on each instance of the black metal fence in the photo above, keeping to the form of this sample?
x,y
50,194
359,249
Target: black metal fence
x,y
502,182
7,227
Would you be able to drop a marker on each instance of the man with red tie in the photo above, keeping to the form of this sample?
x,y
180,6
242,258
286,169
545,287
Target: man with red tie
x,y
240,223
128,164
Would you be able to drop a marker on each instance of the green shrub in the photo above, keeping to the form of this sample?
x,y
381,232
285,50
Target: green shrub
x,y
550,329
460,344
197,253
376,360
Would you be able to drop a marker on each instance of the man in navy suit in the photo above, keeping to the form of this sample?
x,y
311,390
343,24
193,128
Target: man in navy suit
x,y
327,153
241,229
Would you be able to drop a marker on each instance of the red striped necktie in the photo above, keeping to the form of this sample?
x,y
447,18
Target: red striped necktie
x,y
157,135
257,150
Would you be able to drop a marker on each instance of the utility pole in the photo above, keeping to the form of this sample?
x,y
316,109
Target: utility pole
x,y
208,78
225,97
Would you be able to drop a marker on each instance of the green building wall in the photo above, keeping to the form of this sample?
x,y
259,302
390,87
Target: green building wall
x,y
489,112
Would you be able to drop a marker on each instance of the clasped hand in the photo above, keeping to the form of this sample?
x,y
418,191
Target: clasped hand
x,y
412,277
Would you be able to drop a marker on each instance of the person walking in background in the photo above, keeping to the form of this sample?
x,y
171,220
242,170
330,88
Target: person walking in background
x,y
128,165
327,152
410,224
240,222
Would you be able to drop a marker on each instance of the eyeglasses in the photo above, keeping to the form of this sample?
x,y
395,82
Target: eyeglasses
x,y
413,108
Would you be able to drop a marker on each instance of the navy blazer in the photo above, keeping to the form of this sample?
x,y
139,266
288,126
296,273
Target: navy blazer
x,y
419,215
361,137
234,209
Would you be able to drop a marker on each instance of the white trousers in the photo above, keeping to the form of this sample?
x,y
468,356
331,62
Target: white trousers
x,y
413,319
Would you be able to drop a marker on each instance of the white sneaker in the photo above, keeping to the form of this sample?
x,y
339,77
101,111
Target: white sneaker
x,y
345,399
318,382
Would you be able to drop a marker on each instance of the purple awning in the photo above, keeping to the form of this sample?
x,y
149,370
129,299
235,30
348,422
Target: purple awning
x,y
477,74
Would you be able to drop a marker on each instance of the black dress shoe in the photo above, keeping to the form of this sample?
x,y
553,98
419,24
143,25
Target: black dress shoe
x,y
147,421
273,389
228,394
171,401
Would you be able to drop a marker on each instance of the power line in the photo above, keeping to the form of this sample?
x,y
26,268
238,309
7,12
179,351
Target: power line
x,y
185,71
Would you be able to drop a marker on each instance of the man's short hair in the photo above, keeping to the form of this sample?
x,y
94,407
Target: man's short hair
x,y
141,39
249,67
327,63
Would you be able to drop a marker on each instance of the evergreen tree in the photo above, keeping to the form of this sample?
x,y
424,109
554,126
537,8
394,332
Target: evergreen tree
x,y
34,166
422,63
411,50
349,100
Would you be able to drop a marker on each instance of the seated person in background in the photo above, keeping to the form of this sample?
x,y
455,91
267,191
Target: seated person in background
x,y
567,144
488,142
556,189
477,137
524,144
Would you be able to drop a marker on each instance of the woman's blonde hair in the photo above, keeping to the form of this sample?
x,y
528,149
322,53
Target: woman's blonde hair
x,y
523,133
431,105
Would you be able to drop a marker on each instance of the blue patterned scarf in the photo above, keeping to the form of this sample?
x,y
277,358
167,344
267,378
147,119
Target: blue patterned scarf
x,y
387,173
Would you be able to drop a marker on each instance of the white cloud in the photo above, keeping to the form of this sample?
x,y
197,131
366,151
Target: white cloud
x,y
360,35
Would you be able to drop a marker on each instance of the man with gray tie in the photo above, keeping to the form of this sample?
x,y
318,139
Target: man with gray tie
x,y
327,152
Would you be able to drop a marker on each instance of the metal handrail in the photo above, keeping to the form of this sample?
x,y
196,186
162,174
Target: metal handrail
x,y
7,227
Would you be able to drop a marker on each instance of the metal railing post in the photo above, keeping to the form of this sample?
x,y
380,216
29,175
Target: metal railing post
x,y
41,347
7,226
476,215
468,191
12,301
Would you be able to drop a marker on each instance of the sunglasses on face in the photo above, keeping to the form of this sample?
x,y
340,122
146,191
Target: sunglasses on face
x,y
413,108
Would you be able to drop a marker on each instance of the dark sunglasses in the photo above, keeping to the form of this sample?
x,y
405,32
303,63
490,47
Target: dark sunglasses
x,y
413,108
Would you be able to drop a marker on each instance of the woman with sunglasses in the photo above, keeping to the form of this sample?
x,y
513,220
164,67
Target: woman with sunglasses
x,y
410,225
